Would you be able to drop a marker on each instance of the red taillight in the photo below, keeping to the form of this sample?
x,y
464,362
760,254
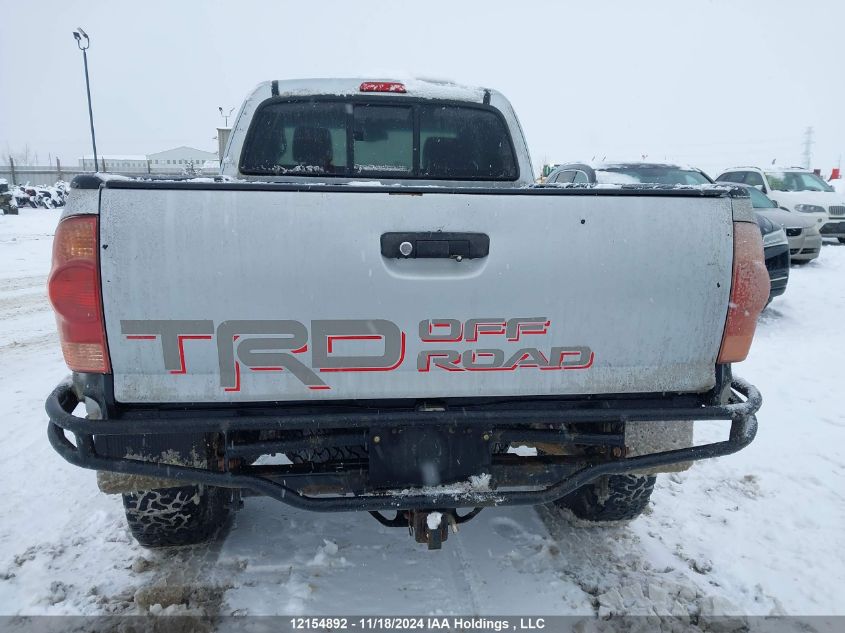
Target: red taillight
x,y
749,292
382,86
74,289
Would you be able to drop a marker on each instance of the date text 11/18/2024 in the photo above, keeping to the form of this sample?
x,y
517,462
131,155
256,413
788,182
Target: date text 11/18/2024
x,y
379,623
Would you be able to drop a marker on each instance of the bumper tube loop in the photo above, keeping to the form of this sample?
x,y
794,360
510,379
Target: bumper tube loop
x,y
62,401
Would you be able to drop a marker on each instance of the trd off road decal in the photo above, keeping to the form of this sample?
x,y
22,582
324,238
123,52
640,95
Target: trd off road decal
x,y
339,345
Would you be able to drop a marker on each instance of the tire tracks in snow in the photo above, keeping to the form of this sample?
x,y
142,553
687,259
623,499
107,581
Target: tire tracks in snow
x,y
24,308
463,575
620,572
23,305
10,284
29,344
185,579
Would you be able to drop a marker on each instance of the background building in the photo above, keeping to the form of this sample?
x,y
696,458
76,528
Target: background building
x,y
179,157
172,161
115,162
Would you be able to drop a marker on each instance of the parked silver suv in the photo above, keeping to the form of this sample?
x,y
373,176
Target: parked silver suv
x,y
805,241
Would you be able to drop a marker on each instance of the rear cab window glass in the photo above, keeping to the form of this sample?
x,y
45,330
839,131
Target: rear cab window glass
x,y
411,139
298,138
461,143
383,140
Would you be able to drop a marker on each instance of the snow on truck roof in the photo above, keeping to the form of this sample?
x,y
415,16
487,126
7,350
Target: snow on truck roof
x,y
627,164
770,169
413,87
643,164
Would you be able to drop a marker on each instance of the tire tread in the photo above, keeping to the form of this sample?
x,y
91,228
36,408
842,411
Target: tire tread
x,y
168,517
611,498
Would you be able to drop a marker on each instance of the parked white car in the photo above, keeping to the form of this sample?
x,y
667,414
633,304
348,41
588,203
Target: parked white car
x,y
796,189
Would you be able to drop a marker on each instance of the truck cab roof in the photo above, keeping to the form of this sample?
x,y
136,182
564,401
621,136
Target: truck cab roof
x,y
409,87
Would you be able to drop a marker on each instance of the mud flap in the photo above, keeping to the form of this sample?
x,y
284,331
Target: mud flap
x,y
190,450
113,483
642,438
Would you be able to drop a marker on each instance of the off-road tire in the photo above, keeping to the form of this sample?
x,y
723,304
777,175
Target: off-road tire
x,y
841,240
168,517
610,498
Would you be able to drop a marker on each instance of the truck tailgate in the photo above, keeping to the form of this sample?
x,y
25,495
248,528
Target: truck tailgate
x,y
238,294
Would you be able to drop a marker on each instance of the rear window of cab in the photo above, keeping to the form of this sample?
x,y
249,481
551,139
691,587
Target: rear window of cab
x,y
377,138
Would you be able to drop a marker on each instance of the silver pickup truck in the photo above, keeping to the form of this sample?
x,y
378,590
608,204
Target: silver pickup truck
x,y
374,308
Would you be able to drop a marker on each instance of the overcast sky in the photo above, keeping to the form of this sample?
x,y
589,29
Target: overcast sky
x,y
712,83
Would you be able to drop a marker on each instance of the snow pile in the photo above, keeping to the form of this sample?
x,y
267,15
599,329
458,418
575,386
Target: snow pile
x,y
473,488
433,520
441,89
622,181
610,177
326,556
43,196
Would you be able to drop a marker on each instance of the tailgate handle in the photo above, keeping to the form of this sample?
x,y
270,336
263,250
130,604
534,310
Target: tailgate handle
x,y
435,244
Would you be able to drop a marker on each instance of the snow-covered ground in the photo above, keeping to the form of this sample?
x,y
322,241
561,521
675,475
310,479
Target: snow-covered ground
x,y
756,533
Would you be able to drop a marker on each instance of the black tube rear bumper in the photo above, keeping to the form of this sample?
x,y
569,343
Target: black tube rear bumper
x,y
566,477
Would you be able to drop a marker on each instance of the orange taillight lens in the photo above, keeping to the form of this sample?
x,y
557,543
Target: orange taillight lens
x,y
74,290
749,292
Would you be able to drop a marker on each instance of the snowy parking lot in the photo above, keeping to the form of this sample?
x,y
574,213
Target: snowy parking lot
x,y
756,533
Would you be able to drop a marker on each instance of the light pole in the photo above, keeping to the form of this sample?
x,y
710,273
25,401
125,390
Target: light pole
x,y
80,35
225,116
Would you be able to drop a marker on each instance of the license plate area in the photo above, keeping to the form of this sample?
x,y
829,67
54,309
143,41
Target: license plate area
x,y
420,456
